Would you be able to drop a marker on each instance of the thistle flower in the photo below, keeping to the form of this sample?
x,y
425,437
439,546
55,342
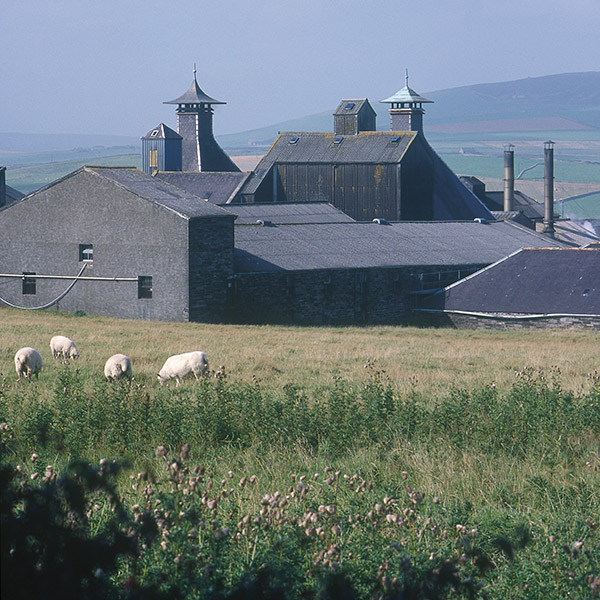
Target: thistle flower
x,y
34,457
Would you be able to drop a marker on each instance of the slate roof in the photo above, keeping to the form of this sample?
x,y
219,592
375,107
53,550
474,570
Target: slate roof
x,y
288,212
531,208
12,195
572,232
531,281
352,106
217,187
194,96
155,190
513,215
363,245
161,132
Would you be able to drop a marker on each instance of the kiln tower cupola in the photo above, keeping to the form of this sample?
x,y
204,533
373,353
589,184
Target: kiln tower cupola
x,y
200,150
406,109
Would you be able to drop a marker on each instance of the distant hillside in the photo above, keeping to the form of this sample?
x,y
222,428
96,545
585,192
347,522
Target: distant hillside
x,y
555,104
467,126
60,142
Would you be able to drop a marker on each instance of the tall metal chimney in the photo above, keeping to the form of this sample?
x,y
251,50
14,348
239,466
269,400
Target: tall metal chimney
x,y
549,188
509,178
2,186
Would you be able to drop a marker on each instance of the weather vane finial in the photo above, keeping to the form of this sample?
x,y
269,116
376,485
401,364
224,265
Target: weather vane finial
x,y
194,71
406,78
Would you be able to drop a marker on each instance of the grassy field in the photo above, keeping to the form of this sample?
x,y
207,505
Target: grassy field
x,y
406,460
426,359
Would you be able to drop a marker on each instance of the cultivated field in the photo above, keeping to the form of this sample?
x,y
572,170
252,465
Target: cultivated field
x,y
396,461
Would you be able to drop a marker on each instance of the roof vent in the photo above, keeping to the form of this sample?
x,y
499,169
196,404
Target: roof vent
x,y
264,223
380,221
480,220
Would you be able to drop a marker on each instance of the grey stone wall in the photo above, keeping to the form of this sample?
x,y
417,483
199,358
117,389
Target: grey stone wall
x,y
211,267
345,296
507,323
130,237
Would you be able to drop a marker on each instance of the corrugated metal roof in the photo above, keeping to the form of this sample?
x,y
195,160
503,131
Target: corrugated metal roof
x,y
532,281
216,187
364,245
286,213
158,191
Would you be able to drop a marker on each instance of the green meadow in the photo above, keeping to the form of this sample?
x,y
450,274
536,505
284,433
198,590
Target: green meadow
x,y
376,462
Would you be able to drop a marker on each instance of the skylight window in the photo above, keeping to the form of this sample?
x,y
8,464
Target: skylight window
x,y
154,133
396,139
349,106
338,140
294,139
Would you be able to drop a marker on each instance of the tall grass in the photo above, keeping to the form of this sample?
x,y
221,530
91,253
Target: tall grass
x,y
477,448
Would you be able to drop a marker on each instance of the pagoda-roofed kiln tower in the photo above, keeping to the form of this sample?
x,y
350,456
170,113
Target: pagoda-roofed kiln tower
x,y
406,109
200,150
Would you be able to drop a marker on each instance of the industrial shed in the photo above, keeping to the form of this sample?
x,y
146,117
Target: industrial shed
x,y
144,249
374,174
533,287
359,272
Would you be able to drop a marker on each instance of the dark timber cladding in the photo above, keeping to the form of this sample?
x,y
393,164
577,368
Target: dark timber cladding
x,y
362,175
353,116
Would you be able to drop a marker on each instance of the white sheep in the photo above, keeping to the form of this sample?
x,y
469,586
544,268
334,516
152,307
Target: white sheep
x,y
117,367
28,362
178,366
61,345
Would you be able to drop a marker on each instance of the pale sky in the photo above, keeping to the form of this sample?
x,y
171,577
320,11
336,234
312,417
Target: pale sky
x,y
77,66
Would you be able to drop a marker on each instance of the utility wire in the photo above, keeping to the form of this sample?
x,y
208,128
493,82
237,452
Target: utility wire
x,y
48,304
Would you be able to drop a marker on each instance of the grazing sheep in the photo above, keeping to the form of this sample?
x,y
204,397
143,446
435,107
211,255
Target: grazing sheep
x,y
28,362
178,366
61,345
117,367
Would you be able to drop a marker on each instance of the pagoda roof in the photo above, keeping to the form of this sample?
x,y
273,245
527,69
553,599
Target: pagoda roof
x,y
406,94
194,95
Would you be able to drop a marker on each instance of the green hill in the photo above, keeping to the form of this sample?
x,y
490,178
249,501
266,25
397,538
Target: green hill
x,y
467,125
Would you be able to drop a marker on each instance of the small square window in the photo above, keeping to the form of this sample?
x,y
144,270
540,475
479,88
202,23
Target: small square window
x,y
86,252
144,286
29,284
